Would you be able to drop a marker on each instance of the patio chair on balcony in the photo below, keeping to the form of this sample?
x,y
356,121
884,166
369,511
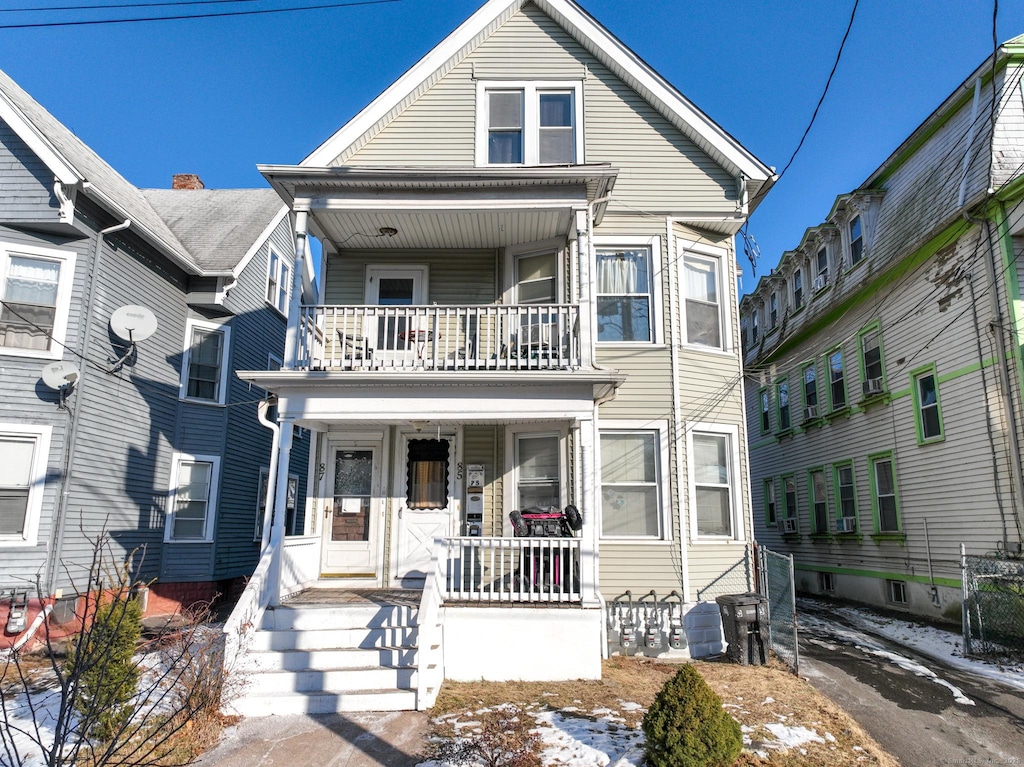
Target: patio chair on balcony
x,y
355,349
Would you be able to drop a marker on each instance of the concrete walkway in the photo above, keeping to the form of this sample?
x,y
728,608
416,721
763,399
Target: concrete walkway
x,y
385,739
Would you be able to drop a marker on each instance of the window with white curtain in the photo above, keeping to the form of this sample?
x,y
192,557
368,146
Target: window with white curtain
x,y
703,302
631,502
35,288
623,294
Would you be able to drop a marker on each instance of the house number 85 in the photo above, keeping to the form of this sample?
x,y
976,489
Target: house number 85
x,y
458,470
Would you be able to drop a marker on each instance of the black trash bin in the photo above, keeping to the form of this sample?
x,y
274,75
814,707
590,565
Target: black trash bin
x,y
745,622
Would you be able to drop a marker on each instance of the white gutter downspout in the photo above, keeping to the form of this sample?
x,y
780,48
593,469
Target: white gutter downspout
x,y
677,415
275,447
53,565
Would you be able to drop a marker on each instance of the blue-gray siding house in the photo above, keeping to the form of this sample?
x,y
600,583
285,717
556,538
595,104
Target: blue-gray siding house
x,y
162,450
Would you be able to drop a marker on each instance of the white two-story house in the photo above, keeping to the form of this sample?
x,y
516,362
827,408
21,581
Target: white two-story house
x,y
528,301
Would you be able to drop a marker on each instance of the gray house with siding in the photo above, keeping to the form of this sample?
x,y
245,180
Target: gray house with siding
x,y
160,445
884,367
528,303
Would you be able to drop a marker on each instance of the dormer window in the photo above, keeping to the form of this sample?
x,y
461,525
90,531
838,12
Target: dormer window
x,y
856,241
755,331
529,123
821,269
773,310
798,289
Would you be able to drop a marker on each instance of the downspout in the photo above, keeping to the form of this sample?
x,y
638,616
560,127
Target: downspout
x,y
60,518
677,416
271,494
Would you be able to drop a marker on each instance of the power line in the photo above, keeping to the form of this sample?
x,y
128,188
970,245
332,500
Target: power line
x,y
40,9
224,14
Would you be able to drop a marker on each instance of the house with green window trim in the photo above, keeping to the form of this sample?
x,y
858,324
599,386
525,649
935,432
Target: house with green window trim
x,y
883,364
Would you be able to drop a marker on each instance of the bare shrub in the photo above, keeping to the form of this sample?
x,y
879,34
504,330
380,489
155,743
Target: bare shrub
x,y
503,738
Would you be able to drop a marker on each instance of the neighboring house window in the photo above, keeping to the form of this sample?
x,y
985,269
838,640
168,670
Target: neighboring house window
x,y
871,360
539,475
632,505
883,491
766,412
782,397
789,510
24,452
810,376
897,592
856,241
816,486
529,123
623,295
821,269
35,296
290,505
769,501
193,498
204,368
278,277
261,503
755,331
713,461
798,289
928,412
836,380
703,303
845,491
773,310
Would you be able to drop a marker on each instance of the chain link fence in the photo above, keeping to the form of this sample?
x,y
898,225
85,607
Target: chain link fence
x,y
777,583
993,616
737,579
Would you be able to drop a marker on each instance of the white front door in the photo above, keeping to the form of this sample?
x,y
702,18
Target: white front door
x,y
425,490
393,335
355,512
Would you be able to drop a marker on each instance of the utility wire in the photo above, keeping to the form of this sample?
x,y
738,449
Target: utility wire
x,y
171,3
224,14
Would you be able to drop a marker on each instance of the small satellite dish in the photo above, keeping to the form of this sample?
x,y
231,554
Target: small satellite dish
x,y
61,375
133,323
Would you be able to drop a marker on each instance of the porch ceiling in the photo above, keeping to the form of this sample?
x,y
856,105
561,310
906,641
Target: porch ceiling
x,y
358,207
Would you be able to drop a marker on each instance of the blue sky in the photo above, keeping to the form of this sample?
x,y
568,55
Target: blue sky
x,y
217,96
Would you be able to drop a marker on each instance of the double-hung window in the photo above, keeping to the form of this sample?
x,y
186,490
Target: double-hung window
x,y
927,410
782,398
773,310
755,331
810,376
278,277
205,362
872,369
539,474
798,289
821,269
193,498
632,500
856,241
713,462
836,380
789,510
846,494
769,502
291,504
817,489
529,123
24,451
766,412
883,491
624,294
703,302
35,295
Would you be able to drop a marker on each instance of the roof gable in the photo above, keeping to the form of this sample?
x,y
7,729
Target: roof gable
x,y
606,48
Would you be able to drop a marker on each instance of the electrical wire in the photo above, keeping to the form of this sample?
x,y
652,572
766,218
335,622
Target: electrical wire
x,y
188,17
174,3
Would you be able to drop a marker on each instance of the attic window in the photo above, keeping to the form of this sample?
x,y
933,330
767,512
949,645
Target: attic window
x,y
856,241
529,123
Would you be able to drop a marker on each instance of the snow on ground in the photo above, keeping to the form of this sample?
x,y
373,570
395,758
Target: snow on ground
x,y
937,643
46,704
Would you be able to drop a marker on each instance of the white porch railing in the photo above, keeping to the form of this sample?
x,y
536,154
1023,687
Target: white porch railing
x,y
488,337
512,569
430,632
300,567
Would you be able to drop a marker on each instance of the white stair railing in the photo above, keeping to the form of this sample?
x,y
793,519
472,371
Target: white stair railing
x,y
430,634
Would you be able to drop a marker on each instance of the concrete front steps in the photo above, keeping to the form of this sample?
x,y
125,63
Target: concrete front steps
x,y
324,659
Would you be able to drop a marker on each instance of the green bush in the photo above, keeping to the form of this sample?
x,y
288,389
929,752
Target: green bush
x,y
101,665
686,725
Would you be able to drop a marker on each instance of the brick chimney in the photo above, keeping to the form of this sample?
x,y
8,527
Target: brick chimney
x,y
187,181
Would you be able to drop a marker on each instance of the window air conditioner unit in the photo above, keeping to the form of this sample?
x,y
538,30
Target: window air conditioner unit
x,y
810,412
873,386
820,281
787,525
846,525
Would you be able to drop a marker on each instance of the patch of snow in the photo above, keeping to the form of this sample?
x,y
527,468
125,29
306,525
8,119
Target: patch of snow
x,y
791,737
629,706
767,700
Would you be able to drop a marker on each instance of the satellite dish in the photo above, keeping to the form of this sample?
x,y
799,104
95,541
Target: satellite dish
x,y
61,375
133,323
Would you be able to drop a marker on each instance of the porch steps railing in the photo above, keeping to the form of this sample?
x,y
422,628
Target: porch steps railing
x,y
452,338
507,570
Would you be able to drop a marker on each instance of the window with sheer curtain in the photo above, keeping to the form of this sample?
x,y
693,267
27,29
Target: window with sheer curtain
x,y
428,474
28,302
703,303
623,294
630,498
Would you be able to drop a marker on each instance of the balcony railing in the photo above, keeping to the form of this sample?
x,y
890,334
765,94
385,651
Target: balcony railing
x,y
511,569
490,337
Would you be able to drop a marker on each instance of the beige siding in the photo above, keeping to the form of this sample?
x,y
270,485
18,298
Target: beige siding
x,y
661,170
482,445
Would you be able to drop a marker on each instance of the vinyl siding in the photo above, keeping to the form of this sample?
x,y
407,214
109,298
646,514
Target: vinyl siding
x,y
482,445
25,183
660,168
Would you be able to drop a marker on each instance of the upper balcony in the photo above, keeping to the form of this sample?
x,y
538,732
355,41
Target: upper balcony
x,y
492,337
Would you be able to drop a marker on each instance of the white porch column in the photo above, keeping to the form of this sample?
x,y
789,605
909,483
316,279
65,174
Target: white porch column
x,y
590,478
280,508
292,342
585,261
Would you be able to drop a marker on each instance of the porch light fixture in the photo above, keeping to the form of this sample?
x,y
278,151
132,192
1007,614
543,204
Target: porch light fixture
x,y
419,425
387,231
